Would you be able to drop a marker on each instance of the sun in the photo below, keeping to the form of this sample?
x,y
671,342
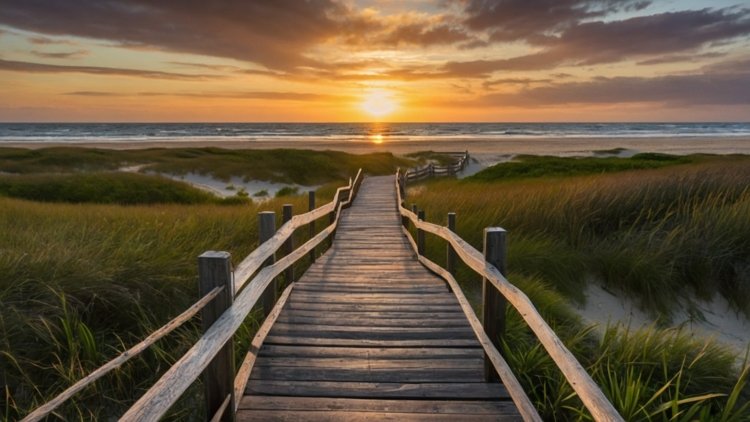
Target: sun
x,y
379,103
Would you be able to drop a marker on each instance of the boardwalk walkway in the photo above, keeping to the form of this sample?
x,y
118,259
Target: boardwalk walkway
x,y
369,333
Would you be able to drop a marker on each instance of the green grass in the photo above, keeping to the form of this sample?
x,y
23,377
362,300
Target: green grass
x,y
654,235
529,166
103,188
82,282
301,167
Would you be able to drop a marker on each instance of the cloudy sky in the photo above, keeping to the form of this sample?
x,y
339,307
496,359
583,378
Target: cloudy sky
x,y
363,60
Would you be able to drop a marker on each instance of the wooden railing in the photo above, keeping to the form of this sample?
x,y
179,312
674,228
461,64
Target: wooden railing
x,y
432,170
496,290
227,299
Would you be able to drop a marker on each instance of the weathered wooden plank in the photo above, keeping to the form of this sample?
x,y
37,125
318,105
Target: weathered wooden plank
x,y
369,307
271,350
371,322
345,415
349,363
312,341
449,314
376,333
402,390
456,407
320,330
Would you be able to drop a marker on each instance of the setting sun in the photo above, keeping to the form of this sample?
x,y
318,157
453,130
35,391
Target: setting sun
x,y
379,103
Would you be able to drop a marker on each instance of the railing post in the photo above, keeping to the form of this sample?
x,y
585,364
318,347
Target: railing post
x,y
310,207
493,303
267,228
215,270
420,234
432,169
286,215
450,254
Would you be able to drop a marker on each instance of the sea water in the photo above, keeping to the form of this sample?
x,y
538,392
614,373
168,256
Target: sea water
x,y
186,132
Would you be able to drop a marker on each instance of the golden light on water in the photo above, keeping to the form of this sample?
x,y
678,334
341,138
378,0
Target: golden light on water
x,y
376,138
379,103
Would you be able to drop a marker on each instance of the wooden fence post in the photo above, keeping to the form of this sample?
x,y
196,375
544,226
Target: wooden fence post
x,y
267,222
450,254
493,303
215,270
310,207
286,215
420,234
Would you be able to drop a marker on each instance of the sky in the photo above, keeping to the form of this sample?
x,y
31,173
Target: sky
x,y
374,60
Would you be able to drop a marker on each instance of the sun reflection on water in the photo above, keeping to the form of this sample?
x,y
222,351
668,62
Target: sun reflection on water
x,y
376,138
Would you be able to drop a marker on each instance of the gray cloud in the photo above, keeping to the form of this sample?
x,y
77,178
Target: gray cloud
x,y
19,66
732,88
250,95
60,55
590,43
271,32
511,20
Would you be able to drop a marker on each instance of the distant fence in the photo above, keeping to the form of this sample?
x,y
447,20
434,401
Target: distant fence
x,y
432,169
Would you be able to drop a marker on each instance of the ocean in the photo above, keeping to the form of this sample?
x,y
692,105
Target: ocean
x,y
182,132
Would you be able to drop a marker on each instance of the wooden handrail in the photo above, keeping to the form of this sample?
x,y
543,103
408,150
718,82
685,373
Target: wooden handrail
x,y
207,346
47,408
581,382
432,170
165,392
256,258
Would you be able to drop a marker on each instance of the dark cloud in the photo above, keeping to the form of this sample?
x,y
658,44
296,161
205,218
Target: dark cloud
x,y
732,88
514,81
250,95
18,66
93,94
511,20
47,41
608,42
60,55
271,32
419,34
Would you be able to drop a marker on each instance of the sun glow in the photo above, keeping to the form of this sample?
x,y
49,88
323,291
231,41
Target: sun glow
x,y
379,103
376,139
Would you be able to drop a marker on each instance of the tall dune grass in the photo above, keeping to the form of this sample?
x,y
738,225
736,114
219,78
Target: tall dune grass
x,y
81,283
654,235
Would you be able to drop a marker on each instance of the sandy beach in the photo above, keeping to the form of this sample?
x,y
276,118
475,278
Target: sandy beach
x,y
505,146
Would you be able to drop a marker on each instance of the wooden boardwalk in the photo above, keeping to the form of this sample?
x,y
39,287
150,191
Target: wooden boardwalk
x,y
369,333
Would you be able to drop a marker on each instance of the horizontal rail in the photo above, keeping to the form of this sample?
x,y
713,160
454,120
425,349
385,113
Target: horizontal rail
x,y
257,257
437,170
241,275
240,380
520,398
581,382
165,392
47,408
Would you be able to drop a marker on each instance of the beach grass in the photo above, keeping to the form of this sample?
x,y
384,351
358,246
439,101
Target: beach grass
x,y
92,261
302,167
528,166
661,236
106,188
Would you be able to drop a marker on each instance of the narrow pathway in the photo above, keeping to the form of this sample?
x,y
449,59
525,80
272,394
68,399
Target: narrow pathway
x,y
369,333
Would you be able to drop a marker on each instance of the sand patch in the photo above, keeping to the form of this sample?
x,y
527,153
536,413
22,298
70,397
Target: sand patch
x,y
714,319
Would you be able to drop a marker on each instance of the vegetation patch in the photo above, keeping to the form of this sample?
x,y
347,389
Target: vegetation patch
x,y
103,188
301,167
653,235
530,166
